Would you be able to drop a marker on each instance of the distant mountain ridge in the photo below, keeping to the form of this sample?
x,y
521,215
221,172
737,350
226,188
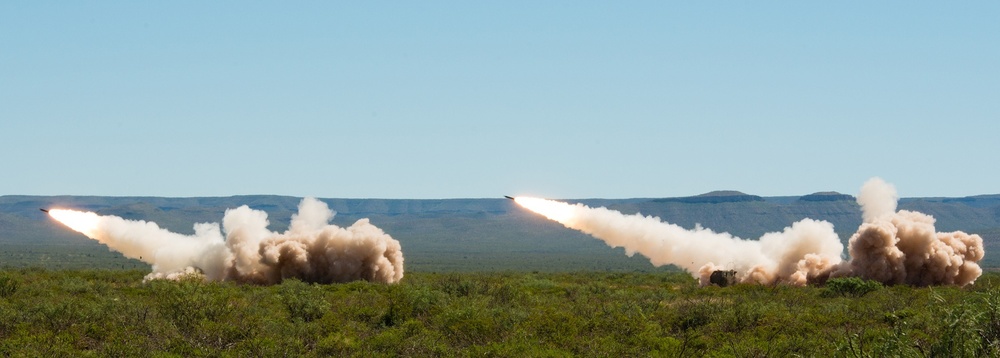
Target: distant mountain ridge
x,y
435,233
714,197
827,196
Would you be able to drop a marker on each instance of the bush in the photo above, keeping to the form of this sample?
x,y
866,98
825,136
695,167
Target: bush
x,y
850,286
303,301
989,329
7,286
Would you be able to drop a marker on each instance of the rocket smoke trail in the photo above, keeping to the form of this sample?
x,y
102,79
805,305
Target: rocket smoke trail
x,y
891,247
311,250
805,249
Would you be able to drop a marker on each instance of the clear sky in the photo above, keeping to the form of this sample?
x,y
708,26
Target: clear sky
x,y
428,99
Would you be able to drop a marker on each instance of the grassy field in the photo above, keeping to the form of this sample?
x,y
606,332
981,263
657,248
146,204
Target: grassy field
x,y
113,313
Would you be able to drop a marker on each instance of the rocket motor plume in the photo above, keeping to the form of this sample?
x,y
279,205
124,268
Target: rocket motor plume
x,y
804,250
890,247
311,250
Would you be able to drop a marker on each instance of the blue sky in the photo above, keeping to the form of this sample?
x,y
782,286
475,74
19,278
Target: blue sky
x,y
482,99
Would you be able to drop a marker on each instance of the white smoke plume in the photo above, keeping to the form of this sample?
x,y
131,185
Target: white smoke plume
x,y
807,249
877,199
890,247
311,249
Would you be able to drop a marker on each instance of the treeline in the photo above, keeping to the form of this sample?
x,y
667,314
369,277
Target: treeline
x,y
113,313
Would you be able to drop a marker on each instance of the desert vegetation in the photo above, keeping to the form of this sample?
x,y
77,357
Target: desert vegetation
x,y
114,313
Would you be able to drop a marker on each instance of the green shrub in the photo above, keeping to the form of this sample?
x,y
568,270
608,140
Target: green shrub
x,y
957,335
303,301
505,293
7,286
406,301
989,328
693,315
472,322
850,286
460,285
187,302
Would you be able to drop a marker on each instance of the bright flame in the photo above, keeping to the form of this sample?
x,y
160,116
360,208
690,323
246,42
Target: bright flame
x,y
558,211
82,222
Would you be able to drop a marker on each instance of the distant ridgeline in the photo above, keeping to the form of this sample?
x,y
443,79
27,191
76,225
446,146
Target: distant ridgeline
x,y
733,196
827,196
715,197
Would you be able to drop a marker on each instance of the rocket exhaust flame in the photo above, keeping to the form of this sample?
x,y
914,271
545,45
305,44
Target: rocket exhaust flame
x,y
890,247
311,250
82,222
